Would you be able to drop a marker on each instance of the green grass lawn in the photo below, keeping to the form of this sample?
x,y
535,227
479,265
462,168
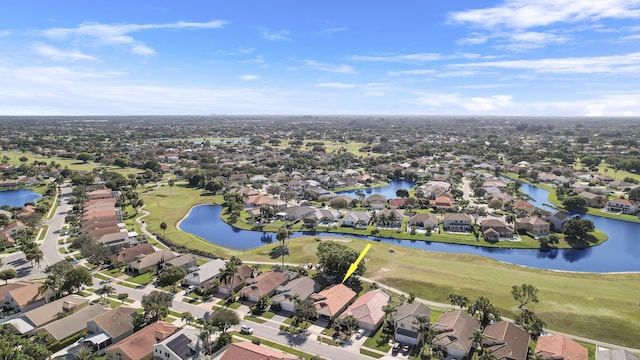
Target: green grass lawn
x,y
598,306
143,279
589,305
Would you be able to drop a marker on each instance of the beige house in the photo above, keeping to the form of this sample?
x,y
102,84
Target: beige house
x,y
139,346
533,224
453,334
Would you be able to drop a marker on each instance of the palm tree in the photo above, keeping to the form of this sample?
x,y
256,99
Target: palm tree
x,y
282,235
107,290
425,329
205,335
477,338
487,356
188,318
229,272
388,310
50,285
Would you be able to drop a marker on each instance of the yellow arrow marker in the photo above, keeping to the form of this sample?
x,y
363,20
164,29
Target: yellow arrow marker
x,y
354,266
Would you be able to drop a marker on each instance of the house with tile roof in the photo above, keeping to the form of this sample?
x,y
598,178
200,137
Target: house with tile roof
x,y
423,221
367,309
556,346
250,351
301,287
453,334
264,284
533,224
506,341
185,261
356,219
24,298
45,314
127,255
494,230
623,206
238,281
139,346
457,222
332,301
204,274
72,324
144,263
404,322
114,326
184,344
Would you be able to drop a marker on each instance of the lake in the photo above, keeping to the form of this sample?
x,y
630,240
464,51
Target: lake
x,y
619,254
17,198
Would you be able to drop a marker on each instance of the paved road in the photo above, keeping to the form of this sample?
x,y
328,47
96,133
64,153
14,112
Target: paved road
x,y
50,245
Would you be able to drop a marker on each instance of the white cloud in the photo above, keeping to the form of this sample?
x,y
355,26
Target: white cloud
x,y
335,85
281,35
258,61
141,49
411,72
59,55
4,33
614,64
521,41
330,32
524,14
333,68
406,58
493,103
248,77
473,39
119,34
630,37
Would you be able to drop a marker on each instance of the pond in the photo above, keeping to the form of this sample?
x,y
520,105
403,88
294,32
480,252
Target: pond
x,y
388,191
619,254
17,198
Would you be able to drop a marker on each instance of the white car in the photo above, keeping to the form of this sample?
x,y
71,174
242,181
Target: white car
x,y
246,329
359,333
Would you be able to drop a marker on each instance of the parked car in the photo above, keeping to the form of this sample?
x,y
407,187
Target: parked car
x,y
359,333
405,350
246,329
395,348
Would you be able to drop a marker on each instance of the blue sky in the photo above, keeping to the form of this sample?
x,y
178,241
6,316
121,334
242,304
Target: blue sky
x,y
501,57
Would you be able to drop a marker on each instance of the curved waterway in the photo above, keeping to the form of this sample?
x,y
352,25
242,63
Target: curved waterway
x,y
621,253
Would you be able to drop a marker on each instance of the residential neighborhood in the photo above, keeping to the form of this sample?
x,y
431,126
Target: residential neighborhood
x,y
108,276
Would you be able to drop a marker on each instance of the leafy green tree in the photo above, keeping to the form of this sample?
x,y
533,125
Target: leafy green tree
x,y
303,310
163,227
524,294
171,275
484,311
75,278
575,203
262,304
156,306
122,162
84,157
8,274
223,319
531,322
122,297
426,331
335,259
350,322
578,229
28,349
